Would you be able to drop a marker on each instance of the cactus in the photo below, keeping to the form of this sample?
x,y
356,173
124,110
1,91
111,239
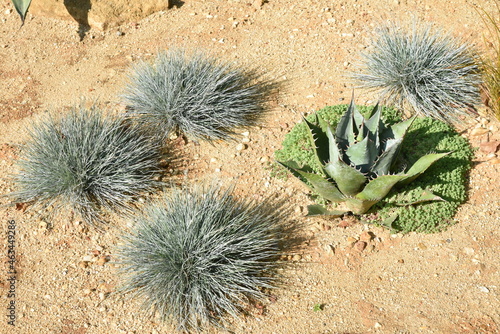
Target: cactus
x,y
357,159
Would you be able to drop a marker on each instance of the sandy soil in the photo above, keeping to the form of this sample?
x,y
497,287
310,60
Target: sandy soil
x,y
441,283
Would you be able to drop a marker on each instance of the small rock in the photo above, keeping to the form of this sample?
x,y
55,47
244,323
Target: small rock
x,y
296,257
377,325
241,147
489,147
83,264
43,225
421,246
120,33
330,249
86,292
264,159
366,236
360,246
245,140
468,250
87,258
246,134
351,241
102,260
479,132
483,289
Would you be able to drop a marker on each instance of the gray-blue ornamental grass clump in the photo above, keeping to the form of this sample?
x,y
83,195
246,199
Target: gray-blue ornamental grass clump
x,y
88,162
201,97
422,70
199,254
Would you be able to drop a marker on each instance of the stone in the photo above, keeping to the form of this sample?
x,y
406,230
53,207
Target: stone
x,y
241,147
489,147
360,246
98,14
479,132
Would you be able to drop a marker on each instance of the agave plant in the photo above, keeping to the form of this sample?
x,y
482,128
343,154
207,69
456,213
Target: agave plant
x,y
357,159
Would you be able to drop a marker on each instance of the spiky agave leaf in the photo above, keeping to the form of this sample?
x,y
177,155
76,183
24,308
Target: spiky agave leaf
x,y
200,254
22,8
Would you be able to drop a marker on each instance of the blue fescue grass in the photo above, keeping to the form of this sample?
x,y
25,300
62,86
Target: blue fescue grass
x,y
423,70
200,254
201,97
88,162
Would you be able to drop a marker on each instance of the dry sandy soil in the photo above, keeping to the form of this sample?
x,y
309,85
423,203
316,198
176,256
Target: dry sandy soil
x,y
447,282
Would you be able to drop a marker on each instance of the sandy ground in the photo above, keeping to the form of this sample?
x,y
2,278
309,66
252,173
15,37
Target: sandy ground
x,y
446,282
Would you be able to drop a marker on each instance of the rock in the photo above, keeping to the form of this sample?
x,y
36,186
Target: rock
x,y
98,14
296,257
468,250
245,140
360,246
83,264
241,147
366,236
351,241
483,289
102,260
489,147
479,132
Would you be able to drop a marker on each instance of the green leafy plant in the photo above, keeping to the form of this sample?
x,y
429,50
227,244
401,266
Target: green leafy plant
x,y
88,162
203,98
446,177
357,160
424,71
489,63
199,254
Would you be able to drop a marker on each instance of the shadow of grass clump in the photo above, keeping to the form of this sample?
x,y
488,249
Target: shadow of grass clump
x,y
446,178
199,254
88,162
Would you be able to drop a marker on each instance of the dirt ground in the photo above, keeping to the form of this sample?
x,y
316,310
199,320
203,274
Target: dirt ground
x,y
447,282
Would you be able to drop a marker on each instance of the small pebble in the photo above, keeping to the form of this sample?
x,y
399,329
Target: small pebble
x,y
241,147
102,260
360,246
483,289
120,33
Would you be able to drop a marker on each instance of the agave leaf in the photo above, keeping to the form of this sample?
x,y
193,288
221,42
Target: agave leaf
x,y
424,196
318,210
398,130
349,180
385,161
359,206
421,166
345,128
379,187
374,124
389,221
333,148
22,8
316,182
362,154
319,139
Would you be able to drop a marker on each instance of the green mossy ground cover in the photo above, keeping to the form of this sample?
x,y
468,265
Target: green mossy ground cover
x,y
447,178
